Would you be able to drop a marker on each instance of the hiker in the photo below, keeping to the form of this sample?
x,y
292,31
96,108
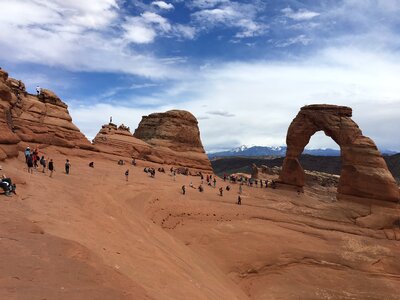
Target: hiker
x,y
191,185
91,164
240,188
35,157
266,183
239,202
174,175
228,188
183,189
121,162
201,189
221,191
261,183
7,185
51,167
43,163
215,182
67,166
110,120
38,90
29,163
27,152
126,175
273,184
224,177
133,162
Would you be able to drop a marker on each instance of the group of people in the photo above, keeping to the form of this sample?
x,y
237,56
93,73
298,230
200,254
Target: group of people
x,y
32,160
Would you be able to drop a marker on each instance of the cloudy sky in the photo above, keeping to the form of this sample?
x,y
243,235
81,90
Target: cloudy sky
x,y
243,68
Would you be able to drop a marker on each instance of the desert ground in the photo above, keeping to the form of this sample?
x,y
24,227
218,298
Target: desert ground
x,y
93,235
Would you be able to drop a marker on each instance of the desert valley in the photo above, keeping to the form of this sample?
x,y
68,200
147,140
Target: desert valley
x,y
98,234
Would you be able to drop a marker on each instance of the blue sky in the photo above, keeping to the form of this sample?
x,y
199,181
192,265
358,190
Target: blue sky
x,y
243,68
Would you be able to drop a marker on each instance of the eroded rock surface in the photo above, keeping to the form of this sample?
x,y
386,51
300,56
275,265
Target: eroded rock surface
x,y
120,141
175,137
364,172
42,119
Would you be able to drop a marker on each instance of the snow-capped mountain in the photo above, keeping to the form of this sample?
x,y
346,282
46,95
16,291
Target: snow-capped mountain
x,y
277,151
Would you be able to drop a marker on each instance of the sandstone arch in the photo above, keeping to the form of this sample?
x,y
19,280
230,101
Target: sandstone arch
x,y
364,172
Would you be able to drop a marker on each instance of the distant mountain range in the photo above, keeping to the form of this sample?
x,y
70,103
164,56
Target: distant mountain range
x,y
244,151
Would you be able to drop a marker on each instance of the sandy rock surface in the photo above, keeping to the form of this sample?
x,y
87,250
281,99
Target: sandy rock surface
x,y
94,235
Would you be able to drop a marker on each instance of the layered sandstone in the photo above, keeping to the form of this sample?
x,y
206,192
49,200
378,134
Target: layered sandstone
x,y
119,140
364,172
175,138
27,118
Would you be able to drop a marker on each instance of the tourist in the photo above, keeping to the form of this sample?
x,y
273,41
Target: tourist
x,y
133,162
91,164
67,166
261,183
215,182
240,188
221,191
51,167
27,153
239,201
43,163
29,163
228,188
273,184
126,175
201,189
7,185
183,189
38,90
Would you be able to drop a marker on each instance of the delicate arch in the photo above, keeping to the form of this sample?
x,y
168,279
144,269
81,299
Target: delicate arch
x,y
364,171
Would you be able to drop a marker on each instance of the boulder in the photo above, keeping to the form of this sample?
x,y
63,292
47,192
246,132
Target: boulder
x,y
364,172
175,138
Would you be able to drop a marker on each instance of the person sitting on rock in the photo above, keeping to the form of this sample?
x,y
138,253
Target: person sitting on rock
x,y
91,164
7,185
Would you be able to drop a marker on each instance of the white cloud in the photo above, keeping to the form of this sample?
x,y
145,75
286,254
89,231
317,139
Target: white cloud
x,y
163,5
300,39
300,15
231,14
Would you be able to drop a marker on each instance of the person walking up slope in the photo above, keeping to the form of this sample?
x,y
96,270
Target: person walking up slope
x,y
67,166
51,167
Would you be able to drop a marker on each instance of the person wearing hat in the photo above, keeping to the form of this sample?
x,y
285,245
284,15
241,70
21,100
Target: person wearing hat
x,y
27,153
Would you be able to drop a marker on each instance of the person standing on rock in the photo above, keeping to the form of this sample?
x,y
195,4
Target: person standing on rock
x,y
38,90
127,175
67,166
51,167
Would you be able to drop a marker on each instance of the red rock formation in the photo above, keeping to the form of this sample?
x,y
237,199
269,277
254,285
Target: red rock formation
x,y
120,141
175,137
32,119
364,172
